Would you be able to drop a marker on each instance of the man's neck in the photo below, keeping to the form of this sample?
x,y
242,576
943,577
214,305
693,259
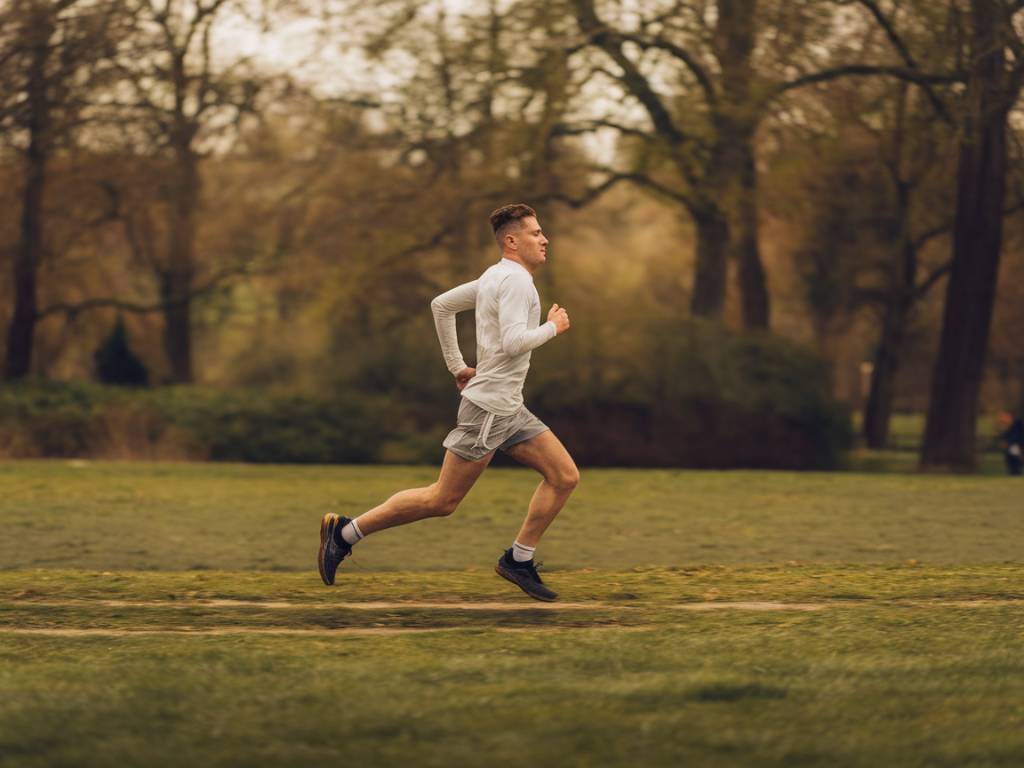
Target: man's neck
x,y
517,260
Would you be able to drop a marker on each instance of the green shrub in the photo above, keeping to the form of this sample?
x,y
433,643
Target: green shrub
x,y
43,419
249,426
697,396
57,419
714,399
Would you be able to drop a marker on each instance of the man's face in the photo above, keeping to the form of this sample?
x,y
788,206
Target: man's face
x,y
531,245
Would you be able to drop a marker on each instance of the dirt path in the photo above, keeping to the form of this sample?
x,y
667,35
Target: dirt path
x,y
505,606
190,631
523,605
398,605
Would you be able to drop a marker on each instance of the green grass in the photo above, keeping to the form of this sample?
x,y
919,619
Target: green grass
x,y
104,516
850,686
906,432
172,615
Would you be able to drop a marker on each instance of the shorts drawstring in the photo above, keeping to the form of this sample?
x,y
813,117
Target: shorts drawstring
x,y
485,432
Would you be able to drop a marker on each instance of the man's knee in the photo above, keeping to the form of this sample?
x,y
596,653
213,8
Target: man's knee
x,y
442,504
565,478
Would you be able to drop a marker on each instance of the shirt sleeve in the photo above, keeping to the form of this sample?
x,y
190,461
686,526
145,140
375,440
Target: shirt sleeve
x,y
513,318
445,307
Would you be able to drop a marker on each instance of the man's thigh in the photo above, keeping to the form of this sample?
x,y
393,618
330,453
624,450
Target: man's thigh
x,y
458,474
544,453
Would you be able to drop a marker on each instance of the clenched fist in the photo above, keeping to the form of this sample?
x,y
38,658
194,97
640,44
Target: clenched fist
x,y
462,377
560,318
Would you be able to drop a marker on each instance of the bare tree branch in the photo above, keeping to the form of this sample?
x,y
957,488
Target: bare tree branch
x,y
683,55
936,274
865,70
904,52
202,12
73,310
592,125
589,195
643,180
76,308
632,78
939,272
942,229
890,32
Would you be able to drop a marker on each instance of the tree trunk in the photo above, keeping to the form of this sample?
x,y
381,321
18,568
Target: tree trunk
x,y
177,333
753,287
21,332
735,124
977,239
712,248
878,410
176,281
901,297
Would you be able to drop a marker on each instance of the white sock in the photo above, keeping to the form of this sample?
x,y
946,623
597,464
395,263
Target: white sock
x,y
520,552
351,533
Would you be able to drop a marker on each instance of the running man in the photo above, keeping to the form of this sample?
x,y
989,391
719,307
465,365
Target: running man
x,y
492,415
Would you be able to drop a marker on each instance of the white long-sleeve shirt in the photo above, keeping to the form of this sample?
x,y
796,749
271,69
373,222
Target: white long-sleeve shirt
x,y
507,330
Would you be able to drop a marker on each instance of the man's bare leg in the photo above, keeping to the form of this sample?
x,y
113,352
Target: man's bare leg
x,y
436,500
546,454
338,534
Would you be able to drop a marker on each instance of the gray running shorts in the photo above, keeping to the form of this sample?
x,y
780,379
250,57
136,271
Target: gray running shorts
x,y
479,432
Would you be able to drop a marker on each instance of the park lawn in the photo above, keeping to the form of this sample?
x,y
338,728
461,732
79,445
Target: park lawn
x,y
870,683
161,614
181,517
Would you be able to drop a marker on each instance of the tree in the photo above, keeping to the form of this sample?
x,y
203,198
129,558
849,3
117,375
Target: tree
x,y
995,63
185,105
910,146
710,146
727,62
984,34
464,125
51,55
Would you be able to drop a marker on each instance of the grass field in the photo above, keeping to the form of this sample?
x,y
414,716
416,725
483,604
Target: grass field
x,y
906,433
172,615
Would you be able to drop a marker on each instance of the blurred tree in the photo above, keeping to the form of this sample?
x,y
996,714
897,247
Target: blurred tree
x,y
890,199
707,75
52,53
909,143
995,66
187,100
466,125
913,132
704,127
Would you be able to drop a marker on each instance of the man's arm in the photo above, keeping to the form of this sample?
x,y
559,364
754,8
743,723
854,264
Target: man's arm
x,y
514,313
445,307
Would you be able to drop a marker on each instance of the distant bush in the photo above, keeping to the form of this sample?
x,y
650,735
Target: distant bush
x,y
55,419
714,399
40,419
248,426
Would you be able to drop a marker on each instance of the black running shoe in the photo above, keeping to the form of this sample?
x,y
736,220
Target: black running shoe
x,y
524,576
331,553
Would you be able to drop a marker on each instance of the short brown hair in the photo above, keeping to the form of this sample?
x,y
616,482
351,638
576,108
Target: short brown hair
x,y
503,219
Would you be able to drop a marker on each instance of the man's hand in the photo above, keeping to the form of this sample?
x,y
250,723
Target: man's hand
x,y
560,318
462,377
